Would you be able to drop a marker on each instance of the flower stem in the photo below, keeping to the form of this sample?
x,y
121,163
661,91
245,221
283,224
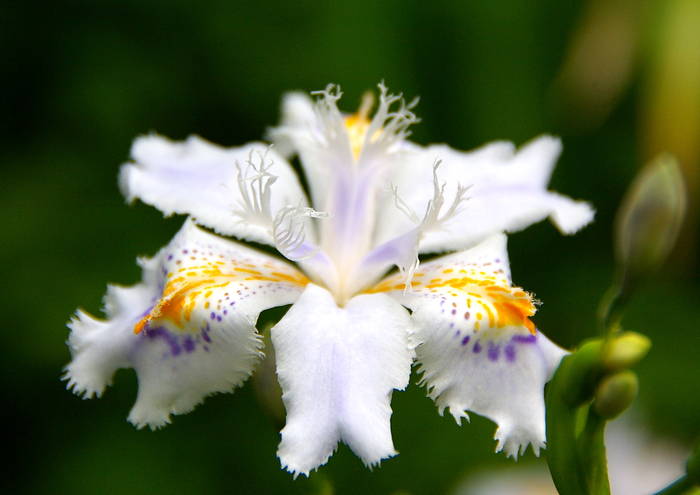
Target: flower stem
x,y
576,456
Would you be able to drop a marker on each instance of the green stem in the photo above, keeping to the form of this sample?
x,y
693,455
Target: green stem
x,y
571,388
612,307
591,452
562,458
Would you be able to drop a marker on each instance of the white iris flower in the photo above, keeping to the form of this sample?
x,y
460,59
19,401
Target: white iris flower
x,y
376,201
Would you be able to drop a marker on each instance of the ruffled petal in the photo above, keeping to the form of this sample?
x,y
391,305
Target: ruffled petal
x,y
100,347
235,191
188,329
337,367
478,349
496,189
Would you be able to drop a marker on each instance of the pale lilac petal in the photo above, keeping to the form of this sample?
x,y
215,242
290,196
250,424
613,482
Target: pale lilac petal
x,y
506,191
235,191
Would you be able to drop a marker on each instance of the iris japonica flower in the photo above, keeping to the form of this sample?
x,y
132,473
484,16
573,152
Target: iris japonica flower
x,y
375,203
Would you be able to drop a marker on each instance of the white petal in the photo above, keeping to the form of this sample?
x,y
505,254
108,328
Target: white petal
x,y
302,131
478,350
201,179
337,368
188,329
297,114
506,192
100,347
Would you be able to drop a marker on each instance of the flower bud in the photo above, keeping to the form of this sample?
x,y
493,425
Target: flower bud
x,y
650,218
625,350
615,393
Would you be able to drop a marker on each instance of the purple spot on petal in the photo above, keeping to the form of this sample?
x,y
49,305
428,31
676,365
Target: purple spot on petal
x,y
212,315
524,339
188,344
465,340
454,311
218,318
477,348
510,352
494,351
169,338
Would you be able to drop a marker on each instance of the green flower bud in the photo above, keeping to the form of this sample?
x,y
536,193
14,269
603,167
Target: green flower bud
x,y
650,219
615,393
624,351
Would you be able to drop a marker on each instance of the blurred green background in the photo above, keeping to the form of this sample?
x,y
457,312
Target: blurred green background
x,y
618,80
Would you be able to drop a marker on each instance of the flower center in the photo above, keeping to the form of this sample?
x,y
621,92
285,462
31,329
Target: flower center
x,y
358,154
358,124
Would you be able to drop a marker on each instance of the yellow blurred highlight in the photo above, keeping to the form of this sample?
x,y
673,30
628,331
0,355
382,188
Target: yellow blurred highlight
x,y
671,105
599,62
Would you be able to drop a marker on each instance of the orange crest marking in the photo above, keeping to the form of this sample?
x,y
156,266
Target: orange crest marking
x,y
489,297
190,286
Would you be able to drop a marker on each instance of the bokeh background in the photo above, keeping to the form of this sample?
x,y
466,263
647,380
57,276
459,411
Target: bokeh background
x,y
618,80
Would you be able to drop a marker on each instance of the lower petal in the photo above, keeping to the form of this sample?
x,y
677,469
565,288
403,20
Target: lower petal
x,y
501,377
337,367
188,329
478,349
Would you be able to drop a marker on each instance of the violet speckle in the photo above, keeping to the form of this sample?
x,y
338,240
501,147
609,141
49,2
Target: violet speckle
x,y
524,339
494,351
169,338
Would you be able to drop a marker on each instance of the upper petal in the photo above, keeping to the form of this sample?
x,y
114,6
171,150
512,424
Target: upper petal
x,y
235,191
478,350
337,367
305,132
298,115
188,329
506,191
